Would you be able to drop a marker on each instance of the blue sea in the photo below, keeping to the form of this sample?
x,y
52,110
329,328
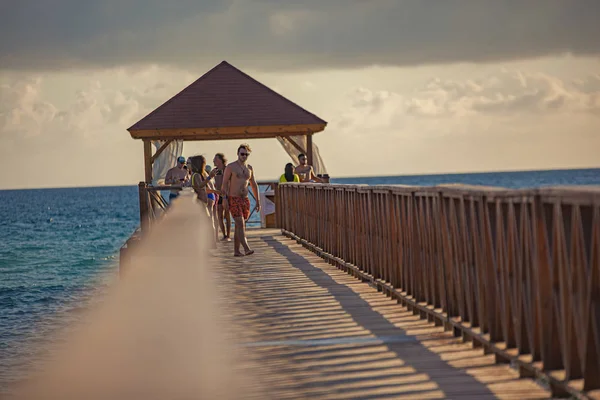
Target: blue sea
x,y
59,249
512,180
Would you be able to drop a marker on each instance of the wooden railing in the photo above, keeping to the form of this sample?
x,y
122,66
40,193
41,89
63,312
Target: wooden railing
x,y
515,271
152,204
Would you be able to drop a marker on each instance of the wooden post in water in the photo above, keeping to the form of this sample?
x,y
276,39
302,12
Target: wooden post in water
x,y
144,207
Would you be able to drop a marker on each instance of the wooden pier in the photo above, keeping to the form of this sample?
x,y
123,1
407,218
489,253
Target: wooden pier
x,y
397,292
315,332
392,291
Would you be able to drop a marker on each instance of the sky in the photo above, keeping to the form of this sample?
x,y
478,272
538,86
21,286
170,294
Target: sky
x,y
407,87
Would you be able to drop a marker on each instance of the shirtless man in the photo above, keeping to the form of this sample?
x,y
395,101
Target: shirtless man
x,y
177,176
220,163
235,189
305,171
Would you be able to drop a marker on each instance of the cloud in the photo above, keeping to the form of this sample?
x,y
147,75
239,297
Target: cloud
x,y
508,93
24,115
28,110
367,110
73,124
509,119
286,34
515,92
80,140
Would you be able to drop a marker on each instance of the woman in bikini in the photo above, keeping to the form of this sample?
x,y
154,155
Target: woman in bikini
x,y
213,197
202,185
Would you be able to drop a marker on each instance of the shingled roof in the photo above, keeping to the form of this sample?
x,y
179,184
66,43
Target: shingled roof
x,y
226,103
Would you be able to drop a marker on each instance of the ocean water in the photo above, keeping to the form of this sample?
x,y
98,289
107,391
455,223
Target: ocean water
x,y
513,180
59,248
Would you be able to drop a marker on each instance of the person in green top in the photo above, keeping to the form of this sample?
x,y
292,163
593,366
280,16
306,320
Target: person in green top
x,y
289,175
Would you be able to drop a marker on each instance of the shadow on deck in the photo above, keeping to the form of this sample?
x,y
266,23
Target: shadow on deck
x,y
313,331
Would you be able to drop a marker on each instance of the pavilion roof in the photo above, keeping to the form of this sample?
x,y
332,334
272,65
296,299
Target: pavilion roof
x,y
226,103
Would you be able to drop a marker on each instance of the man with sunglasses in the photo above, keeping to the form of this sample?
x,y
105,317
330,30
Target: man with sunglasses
x,y
236,178
306,171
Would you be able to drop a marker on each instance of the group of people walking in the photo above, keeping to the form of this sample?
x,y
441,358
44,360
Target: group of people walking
x,y
222,190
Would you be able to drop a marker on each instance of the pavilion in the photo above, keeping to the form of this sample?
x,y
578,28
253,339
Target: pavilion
x,y
226,104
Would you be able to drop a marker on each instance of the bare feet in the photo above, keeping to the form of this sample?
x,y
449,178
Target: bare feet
x,y
249,252
226,239
238,255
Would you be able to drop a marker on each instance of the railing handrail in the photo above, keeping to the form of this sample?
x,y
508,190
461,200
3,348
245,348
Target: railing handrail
x,y
175,187
589,193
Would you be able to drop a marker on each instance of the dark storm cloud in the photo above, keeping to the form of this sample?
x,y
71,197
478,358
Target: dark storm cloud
x,y
295,34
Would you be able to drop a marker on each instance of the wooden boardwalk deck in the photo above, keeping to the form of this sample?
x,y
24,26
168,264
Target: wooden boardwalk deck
x,y
312,331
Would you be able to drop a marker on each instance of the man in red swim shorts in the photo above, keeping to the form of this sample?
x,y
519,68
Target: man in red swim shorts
x,y
236,177
239,207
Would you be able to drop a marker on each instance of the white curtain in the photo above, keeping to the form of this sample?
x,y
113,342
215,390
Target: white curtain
x,y
293,152
166,160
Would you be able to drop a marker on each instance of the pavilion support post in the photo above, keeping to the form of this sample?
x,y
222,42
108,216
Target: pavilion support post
x,y
309,148
148,161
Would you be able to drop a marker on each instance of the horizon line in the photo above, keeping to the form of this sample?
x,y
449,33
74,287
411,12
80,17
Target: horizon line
x,y
340,177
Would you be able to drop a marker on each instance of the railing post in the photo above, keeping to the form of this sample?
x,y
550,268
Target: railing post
x,y
124,260
278,209
551,355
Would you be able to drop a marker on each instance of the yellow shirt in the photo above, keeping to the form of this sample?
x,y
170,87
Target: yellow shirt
x,y
296,178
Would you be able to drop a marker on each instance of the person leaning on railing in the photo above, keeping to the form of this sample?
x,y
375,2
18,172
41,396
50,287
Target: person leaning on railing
x,y
305,171
177,176
289,175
